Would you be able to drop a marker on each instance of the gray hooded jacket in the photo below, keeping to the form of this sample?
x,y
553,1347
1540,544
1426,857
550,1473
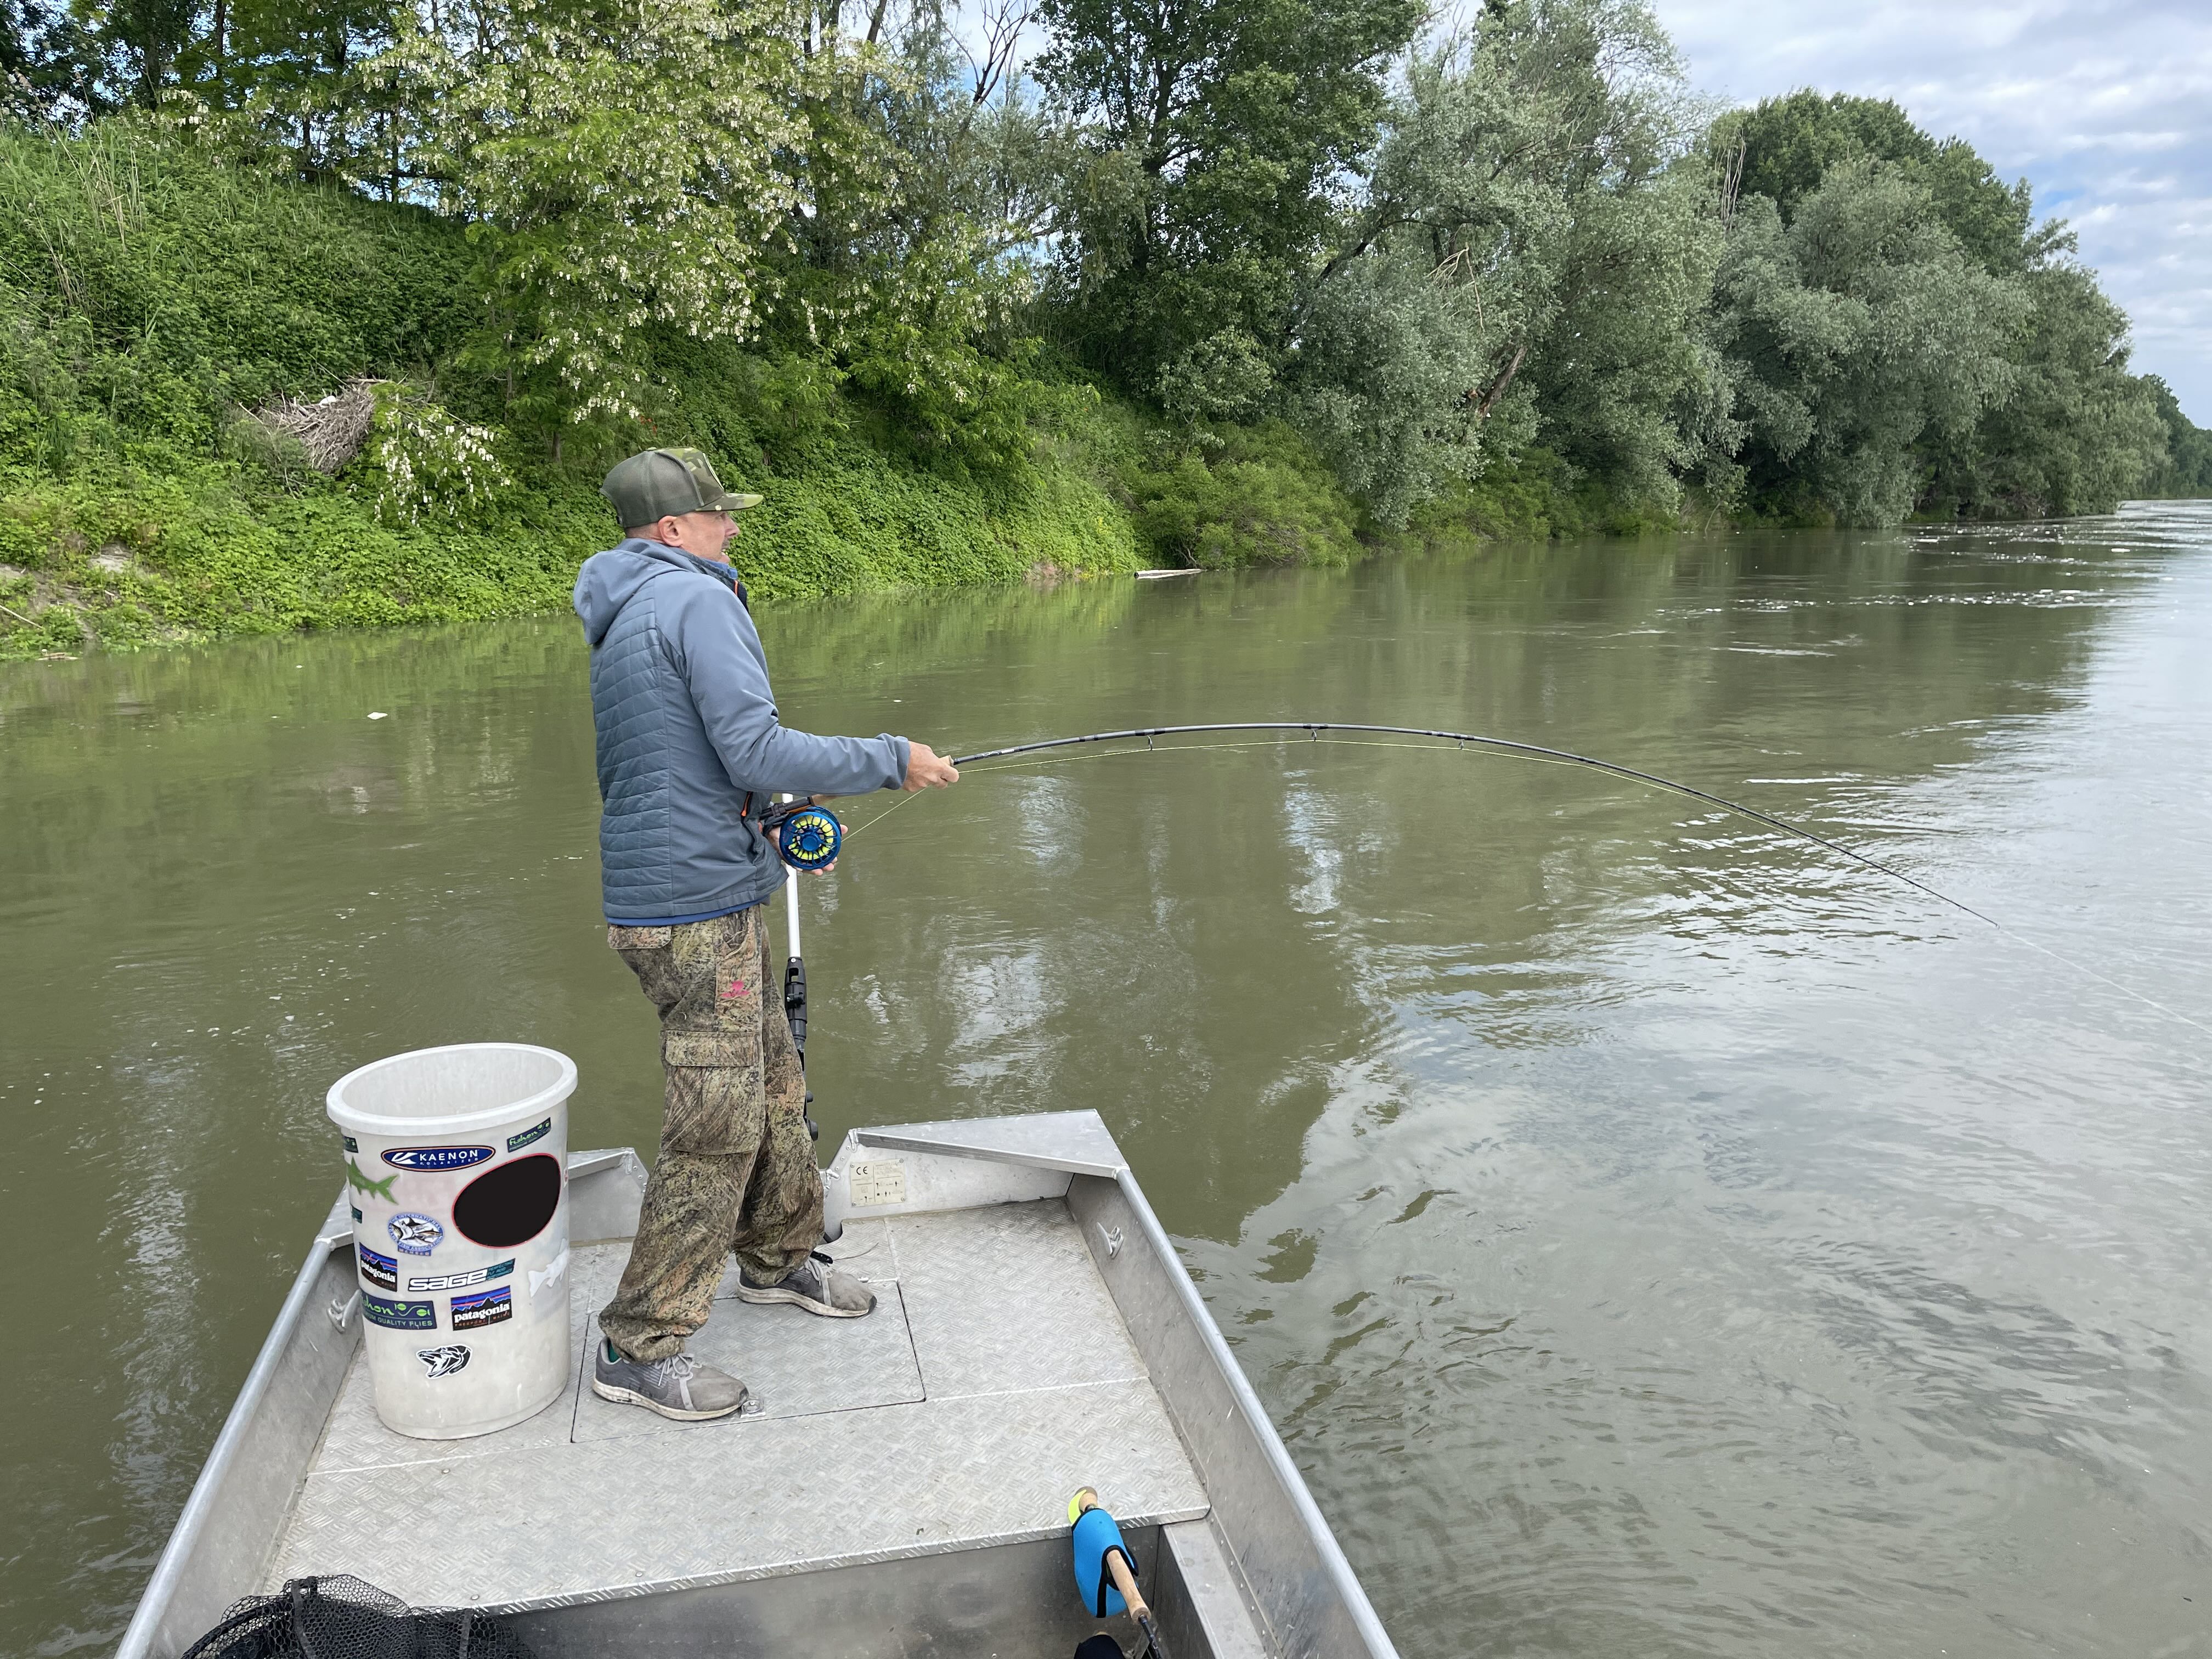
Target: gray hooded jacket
x,y
687,730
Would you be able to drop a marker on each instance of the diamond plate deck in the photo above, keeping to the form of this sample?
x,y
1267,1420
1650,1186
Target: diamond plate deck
x,y
994,1377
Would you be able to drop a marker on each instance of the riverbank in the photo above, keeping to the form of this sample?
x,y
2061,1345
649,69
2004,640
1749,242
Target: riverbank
x,y
235,404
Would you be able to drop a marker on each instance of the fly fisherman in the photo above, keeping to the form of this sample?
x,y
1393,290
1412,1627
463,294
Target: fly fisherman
x,y
691,754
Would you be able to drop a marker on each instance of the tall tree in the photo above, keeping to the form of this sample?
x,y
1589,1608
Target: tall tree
x,y
1853,332
1214,136
1789,144
1527,263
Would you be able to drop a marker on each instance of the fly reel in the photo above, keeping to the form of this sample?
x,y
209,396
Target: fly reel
x,y
808,835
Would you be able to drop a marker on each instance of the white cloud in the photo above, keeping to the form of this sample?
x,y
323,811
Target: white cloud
x,y
2106,110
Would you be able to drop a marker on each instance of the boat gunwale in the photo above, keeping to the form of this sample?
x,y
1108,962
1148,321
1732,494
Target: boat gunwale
x,y
168,1579
1335,1565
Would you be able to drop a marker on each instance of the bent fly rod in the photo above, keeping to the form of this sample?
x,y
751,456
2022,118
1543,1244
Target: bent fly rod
x,y
1312,729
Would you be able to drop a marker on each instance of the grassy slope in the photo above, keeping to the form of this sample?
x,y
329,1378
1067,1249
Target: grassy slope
x,y
147,297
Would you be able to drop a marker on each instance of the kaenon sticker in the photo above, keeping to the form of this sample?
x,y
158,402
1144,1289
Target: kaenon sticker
x,y
535,1132
485,1308
444,1362
399,1316
435,1159
461,1281
417,1235
880,1183
381,1271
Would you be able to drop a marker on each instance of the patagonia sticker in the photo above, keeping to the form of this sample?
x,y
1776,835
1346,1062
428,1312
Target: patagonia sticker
x,y
444,1362
435,1159
461,1281
381,1271
417,1235
472,1313
535,1132
400,1315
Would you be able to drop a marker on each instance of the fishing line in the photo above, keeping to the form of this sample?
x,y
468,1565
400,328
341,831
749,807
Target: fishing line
x,y
1462,741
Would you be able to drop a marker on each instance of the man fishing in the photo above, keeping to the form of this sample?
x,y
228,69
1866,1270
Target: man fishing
x,y
691,755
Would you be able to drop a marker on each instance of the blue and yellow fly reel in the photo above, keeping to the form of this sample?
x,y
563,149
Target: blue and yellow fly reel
x,y
811,838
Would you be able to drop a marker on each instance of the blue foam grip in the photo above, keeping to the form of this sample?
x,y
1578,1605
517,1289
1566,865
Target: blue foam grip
x,y
1096,1538
811,838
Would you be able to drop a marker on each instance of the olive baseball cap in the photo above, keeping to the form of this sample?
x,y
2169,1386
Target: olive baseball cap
x,y
655,484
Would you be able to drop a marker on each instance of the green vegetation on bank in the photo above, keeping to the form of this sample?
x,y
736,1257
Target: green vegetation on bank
x,y
332,315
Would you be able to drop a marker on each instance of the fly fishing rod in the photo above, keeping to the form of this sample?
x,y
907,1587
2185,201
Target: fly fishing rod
x,y
1312,729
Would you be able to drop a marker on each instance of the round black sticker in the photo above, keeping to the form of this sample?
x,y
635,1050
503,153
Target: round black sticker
x,y
510,1205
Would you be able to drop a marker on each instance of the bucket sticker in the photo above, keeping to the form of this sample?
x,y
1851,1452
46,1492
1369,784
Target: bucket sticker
x,y
510,1205
356,1210
381,1271
400,1315
444,1362
535,1132
437,1158
461,1281
540,1277
361,1184
351,1144
417,1235
485,1308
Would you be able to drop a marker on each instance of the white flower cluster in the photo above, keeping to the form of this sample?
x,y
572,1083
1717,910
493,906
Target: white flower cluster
x,y
430,463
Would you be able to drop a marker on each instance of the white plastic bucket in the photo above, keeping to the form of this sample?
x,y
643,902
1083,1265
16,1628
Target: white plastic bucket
x,y
457,1169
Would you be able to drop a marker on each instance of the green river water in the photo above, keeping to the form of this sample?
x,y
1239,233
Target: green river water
x,y
1653,1237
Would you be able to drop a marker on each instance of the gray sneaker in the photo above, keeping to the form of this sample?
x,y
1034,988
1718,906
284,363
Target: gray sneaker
x,y
678,1387
813,1284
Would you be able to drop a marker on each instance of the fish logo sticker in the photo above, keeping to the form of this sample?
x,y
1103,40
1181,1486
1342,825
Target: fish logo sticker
x,y
444,1362
435,1159
472,1313
361,1184
399,1316
379,1272
535,1132
540,1277
417,1235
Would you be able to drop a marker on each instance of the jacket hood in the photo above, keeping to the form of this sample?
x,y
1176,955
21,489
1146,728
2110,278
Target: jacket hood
x,y
611,580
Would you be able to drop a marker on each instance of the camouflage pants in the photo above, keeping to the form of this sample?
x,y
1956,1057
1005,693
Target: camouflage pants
x,y
737,1169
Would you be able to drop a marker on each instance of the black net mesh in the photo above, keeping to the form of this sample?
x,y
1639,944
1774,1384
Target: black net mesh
x,y
342,1618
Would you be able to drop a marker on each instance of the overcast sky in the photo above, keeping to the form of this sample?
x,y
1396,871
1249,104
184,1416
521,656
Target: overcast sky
x,y
2104,108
